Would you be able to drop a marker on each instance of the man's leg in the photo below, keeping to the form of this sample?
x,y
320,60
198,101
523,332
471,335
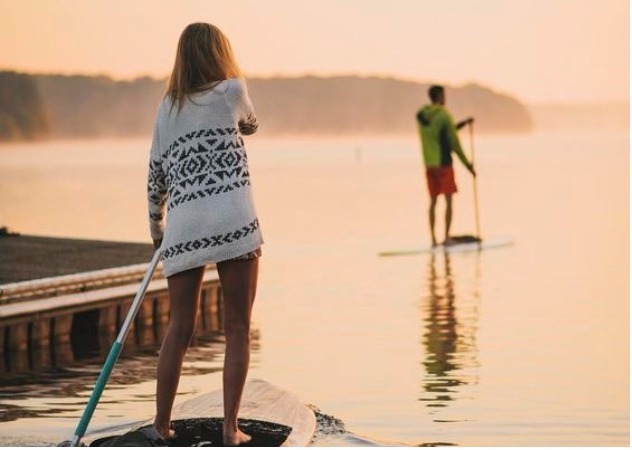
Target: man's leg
x,y
448,216
433,204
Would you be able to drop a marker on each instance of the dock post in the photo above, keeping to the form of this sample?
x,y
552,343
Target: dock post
x,y
40,358
17,362
107,327
18,338
62,325
212,300
219,296
145,323
40,334
161,302
62,354
161,315
107,320
200,327
131,344
3,332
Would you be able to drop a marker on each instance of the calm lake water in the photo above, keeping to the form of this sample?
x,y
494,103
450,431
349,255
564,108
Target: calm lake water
x,y
526,345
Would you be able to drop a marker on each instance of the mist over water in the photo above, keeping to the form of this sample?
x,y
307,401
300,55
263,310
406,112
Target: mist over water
x,y
521,346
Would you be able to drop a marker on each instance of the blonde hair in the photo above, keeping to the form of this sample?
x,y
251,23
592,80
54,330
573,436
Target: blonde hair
x,y
203,59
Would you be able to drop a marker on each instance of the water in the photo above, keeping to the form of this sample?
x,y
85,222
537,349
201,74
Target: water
x,y
522,346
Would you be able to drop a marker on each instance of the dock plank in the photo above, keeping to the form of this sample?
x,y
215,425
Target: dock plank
x,y
85,300
25,257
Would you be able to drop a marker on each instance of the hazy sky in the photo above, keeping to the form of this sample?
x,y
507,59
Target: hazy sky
x,y
538,50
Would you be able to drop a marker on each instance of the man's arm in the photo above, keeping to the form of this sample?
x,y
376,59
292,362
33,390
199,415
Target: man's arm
x,y
455,144
462,123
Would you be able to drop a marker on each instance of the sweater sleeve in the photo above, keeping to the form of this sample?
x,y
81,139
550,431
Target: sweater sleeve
x,y
247,118
156,188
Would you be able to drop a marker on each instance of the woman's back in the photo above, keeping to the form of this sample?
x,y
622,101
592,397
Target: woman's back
x,y
219,107
199,167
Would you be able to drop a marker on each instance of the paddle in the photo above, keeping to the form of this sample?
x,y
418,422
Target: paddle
x,y
115,351
476,213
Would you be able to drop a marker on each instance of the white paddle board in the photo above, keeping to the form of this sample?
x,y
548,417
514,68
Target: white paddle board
x,y
454,248
261,401
289,422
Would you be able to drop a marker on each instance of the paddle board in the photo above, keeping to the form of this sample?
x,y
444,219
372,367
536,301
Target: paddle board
x,y
454,248
272,416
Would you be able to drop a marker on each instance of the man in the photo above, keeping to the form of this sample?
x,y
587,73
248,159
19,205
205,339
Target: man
x,y
439,139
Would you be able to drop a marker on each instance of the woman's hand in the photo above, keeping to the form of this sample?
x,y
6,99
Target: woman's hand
x,y
248,127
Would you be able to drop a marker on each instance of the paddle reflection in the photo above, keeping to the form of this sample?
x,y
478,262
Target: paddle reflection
x,y
450,318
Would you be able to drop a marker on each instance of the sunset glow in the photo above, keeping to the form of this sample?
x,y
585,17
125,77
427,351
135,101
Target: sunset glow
x,y
541,51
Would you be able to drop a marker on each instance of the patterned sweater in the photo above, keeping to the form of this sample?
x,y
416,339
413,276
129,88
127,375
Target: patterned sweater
x,y
198,169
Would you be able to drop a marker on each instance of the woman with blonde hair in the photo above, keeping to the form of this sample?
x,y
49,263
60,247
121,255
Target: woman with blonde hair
x,y
198,170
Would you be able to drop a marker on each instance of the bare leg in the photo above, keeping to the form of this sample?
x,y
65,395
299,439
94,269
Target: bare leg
x,y
431,214
184,300
239,287
448,215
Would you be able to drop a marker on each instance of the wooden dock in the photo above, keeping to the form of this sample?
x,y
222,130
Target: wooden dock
x,y
73,311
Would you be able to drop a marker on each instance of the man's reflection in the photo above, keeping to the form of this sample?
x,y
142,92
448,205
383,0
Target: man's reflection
x,y
449,333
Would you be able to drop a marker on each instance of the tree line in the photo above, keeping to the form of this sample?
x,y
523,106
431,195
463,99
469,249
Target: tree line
x,y
23,114
59,106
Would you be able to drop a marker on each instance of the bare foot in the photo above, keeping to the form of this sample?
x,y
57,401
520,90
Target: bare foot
x,y
235,439
164,432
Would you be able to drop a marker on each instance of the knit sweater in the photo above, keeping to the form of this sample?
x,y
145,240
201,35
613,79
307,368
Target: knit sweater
x,y
198,169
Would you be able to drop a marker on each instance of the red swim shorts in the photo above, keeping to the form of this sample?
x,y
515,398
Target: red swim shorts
x,y
440,180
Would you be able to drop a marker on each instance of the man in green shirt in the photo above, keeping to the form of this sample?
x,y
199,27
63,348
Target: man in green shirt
x,y
439,139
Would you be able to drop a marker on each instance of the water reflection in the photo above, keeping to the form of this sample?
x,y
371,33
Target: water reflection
x,y
91,334
450,317
67,372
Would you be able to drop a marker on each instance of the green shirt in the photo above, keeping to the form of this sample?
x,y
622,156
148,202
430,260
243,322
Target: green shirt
x,y
438,136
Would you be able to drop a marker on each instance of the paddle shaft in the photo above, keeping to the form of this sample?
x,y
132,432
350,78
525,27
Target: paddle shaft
x,y
115,351
476,210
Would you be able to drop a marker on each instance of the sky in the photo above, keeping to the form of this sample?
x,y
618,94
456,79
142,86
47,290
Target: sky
x,y
541,51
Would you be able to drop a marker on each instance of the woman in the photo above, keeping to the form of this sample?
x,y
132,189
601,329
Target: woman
x,y
198,169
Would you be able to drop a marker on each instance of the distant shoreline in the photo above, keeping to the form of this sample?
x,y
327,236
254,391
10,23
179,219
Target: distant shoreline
x,y
54,107
291,76
83,106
